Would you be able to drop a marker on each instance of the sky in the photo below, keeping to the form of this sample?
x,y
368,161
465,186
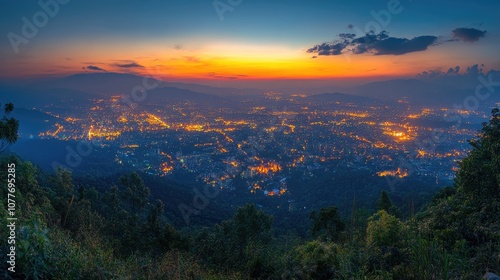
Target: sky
x,y
247,40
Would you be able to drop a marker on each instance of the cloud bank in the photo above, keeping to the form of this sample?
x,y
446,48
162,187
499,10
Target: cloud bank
x,y
376,44
468,34
470,71
94,68
383,44
131,64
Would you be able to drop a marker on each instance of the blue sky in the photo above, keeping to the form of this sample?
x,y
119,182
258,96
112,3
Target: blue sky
x,y
281,32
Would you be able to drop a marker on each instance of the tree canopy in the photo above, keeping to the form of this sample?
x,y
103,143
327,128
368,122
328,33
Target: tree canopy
x,y
385,203
8,128
471,209
327,220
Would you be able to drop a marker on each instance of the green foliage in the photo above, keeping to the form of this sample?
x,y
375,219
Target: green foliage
x,y
250,224
318,260
240,243
8,128
385,203
154,218
471,210
61,194
479,174
384,230
80,229
328,222
428,260
34,247
168,239
136,192
478,184
384,237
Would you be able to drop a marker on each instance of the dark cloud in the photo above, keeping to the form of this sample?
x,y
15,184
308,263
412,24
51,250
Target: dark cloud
x,y
398,46
328,49
333,48
128,65
453,71
474,70
470,71
468,34
434,73
94,68
377,44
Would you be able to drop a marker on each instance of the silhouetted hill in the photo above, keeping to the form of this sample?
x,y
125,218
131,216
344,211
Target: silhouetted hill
x,y
398,88
57,97
80,89
417,92
32,122
464,81
94,83
109,83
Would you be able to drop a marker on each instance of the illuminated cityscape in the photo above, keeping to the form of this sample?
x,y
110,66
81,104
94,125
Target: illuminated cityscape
x,y
266,138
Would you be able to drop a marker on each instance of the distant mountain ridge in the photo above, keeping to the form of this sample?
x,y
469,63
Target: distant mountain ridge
x,y
98,83
32,122
56,97
81,88
418,92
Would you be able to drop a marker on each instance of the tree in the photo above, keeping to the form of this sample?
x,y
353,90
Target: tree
x,y
384,230
8,128
317,260
169,238
327,220
63,182
385,203
252,224
61,193
136,192
154,218
479,174
240,243
384,237
251,229
478,185
471,209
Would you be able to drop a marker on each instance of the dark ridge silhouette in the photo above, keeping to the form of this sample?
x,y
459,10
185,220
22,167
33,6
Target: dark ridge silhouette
x,y
32,122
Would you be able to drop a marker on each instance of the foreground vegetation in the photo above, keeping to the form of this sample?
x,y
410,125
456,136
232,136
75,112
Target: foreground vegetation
x,y
75,232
